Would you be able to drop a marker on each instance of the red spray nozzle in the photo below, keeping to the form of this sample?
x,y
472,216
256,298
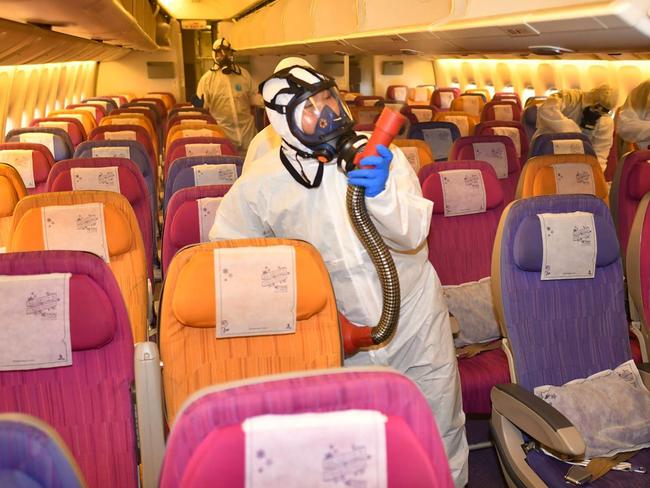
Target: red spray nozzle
x,y
387,127
354,338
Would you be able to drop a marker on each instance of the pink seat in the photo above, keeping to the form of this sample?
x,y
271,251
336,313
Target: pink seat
x,y
182,219
631,183
41,158
211,424
132,186
460,249
437,99
177,149
495,128
89,402
464,149
510,96
504,110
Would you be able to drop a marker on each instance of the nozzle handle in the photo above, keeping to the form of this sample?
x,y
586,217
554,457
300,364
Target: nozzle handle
x,y
387,127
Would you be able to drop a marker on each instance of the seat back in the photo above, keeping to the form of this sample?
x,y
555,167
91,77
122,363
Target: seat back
x,y
186,172
415,455
534,101
123,242
193,129
84,116
498,151
133,119
559,330
503,109
148,112
168,98
398,93
471,104
108,102
32,161
637,264
156,103
198,146
31,449
419,113
188,116
631,183
89,402
130,183
97,110
56,140
190,111
442,97
480,92
544,175
188,316
126,132
367,100
462,120
12,189
509,96
439,136
73,127
416,151
564,143
185,223
457,257
365,114
514,130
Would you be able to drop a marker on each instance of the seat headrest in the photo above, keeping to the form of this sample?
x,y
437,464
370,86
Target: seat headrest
x,y
92,319
8,197
544,182
193,302
528,249
28,235
530,115
638,183
185,224
432,187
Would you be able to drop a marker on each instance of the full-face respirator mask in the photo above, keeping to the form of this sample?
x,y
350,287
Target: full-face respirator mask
x,y
316,116
224,58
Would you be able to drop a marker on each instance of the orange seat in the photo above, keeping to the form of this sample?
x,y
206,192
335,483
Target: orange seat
x,y
416,151
365,115
124,241
84,116
12,190
194,358
470,104
538,175
462,120
134,119
193,130
168,99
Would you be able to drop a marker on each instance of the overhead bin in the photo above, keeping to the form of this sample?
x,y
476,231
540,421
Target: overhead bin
x,y
443,27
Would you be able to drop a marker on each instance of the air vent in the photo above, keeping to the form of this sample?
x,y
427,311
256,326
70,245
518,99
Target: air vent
x,y
397,38
340,53
549,50
410,52
519,30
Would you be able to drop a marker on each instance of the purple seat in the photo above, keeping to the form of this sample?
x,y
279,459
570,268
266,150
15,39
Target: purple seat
x,y
503,128
181,172
61,142
439,136
631,183
558,330
529,120
178,149
32,454
211,424
464,149
543,144
132,186
460,250
87,403
182,219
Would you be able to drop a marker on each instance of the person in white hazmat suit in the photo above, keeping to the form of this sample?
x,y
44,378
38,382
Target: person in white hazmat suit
x,y
633,120
298,192
581,111
227,91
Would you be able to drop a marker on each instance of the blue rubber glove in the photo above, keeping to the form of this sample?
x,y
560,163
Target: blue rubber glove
x,y
373,179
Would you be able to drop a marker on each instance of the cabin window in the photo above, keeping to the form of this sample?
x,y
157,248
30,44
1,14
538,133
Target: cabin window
x,y
392,68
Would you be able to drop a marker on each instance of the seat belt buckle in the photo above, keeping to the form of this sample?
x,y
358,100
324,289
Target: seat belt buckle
x,y
578,475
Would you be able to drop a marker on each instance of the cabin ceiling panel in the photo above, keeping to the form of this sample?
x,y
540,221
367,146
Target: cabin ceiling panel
x,y
207,9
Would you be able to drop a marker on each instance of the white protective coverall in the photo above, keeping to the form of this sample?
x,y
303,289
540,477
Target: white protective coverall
x,y
562,112
229,98
266,201
633,121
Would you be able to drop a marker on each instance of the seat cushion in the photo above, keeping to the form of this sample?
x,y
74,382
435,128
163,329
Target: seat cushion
x,y
477,377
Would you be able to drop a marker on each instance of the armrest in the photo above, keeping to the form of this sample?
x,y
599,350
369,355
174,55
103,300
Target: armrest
x,y
537,418
148,392
644,370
